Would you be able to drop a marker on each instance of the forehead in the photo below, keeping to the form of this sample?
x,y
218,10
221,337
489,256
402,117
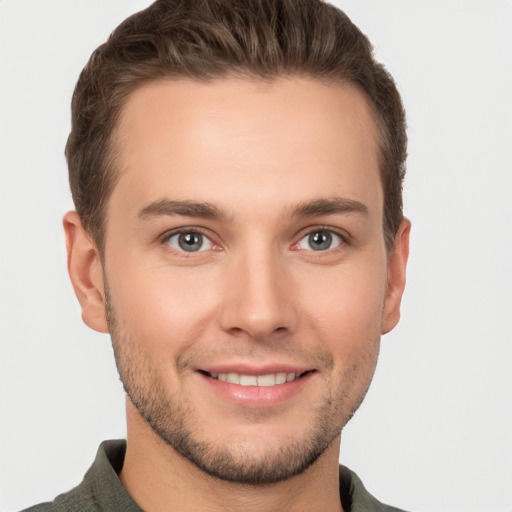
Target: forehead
x,y
283,141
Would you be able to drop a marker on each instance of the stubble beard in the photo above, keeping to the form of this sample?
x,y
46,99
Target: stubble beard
x,y
173,421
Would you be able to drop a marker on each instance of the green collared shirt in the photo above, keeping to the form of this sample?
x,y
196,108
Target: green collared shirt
x,y
102,491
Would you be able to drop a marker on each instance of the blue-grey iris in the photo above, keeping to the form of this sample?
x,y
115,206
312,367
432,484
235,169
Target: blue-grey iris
x,y
190,242
320,240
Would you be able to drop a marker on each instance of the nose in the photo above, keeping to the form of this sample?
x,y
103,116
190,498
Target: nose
x,y
259,296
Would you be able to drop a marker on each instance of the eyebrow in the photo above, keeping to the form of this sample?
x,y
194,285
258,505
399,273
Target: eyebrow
x,y
206,210
185,208
328,207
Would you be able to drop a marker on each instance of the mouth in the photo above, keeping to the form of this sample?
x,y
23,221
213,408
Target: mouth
x,y
267,380
250,387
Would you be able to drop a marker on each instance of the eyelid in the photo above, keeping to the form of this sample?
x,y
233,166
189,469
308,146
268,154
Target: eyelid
x,y
345,238
164,239
343,235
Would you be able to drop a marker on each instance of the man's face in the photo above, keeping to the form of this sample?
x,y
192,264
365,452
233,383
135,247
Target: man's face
x,y
245,268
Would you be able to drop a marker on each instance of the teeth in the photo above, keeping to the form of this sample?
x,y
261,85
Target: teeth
x,y
269,380
248,380
281,378
233,378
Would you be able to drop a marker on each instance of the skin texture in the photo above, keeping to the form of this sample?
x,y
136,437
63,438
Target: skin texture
x,y
254,168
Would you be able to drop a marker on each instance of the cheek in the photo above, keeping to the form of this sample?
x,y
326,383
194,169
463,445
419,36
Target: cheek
x,y
164,308
345,307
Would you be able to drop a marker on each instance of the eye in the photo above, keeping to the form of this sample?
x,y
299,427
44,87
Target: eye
x,y
320,240
189,241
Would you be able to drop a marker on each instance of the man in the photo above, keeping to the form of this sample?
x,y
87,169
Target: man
x,y
236,169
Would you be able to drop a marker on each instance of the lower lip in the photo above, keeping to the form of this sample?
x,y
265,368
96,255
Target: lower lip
x,y
257,397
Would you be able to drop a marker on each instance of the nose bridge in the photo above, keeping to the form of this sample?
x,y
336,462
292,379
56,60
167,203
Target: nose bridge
x,y
259,295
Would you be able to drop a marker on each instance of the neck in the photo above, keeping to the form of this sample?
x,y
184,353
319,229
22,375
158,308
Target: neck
x,y
159,479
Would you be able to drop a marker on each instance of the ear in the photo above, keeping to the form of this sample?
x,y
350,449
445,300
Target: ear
x,y
86,273
397,264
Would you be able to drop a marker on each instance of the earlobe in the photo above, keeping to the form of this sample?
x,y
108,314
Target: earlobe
x,y
86,273
397,265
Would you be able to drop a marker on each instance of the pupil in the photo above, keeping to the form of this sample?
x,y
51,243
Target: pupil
x,y
321,240
191,242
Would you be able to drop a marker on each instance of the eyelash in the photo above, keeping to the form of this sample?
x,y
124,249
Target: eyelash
x,y
186,231
344,239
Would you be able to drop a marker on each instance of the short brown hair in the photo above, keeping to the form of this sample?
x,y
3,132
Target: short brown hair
x,y
208,39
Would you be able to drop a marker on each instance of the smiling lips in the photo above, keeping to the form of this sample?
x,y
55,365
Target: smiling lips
x,y
269,380
253,388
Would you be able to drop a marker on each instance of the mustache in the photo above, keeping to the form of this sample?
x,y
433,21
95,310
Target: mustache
x,y
251,352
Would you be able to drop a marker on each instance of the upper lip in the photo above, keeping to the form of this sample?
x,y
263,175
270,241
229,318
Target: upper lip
x,y
251,369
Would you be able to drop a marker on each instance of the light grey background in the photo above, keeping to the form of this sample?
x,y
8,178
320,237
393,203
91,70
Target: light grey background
x,y
435,432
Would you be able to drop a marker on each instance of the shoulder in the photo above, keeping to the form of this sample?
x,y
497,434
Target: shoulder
x,y
355,497
44,507
100,490
73,501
